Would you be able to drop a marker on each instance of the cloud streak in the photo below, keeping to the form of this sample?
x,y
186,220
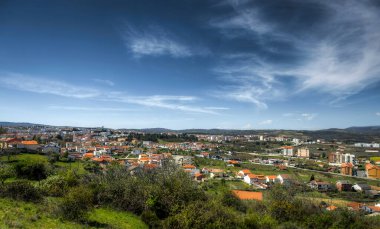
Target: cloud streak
x,y
161,101
102,109
44,86
103,81
154,42
58,88
266,122
301,116
339,54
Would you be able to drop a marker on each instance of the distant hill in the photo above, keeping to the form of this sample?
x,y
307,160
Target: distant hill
x,y
364,129
351,134
13,124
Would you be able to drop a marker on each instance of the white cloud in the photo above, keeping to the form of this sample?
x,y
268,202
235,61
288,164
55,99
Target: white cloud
x,y
340,54
301,116
308,117
103,109
266,122
217,108
160,101
154,42
378,113
103,81
45,86
247,126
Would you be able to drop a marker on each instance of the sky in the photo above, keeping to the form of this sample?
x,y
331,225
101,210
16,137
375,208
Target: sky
x,y
231,64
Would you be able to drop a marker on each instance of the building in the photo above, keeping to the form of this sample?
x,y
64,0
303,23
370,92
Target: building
x,y
284,179
340,157
243,173
303,152
372,171
343,186
346,169
287,151
320,186
247,195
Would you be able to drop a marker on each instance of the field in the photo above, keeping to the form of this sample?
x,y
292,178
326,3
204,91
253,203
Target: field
x,y
18,214
77,165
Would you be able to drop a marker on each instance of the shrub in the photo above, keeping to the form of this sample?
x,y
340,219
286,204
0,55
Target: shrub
x,y
76,203
31,170
21,190
54,186
201,214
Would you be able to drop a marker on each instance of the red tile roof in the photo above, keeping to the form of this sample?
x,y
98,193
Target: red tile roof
x,y
248,195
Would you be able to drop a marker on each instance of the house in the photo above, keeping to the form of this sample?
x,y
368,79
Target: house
x,y
243,173
88,155
270,179
30,145
191,169
346,169
198,176
216,173
253,178
361,187
372,171
320,186
284,179
250,178
247,195
374,208
47,149
331,208
233,162
343,186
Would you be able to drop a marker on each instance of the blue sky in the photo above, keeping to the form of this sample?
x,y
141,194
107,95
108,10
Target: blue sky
x,y
191,64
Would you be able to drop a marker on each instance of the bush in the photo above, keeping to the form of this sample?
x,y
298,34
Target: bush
x,y
6,172
54,186
31,170
21,190
76,203
204,214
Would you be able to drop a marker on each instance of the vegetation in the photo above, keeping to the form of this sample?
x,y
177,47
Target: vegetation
x,y
57,195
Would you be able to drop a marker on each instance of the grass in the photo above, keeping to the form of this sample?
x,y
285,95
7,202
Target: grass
x,y
77,165
25,157
19,214
116,219
375,158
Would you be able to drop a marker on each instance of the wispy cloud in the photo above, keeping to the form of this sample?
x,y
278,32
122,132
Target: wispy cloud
x,y
103,109
217,108
308,117
45,86
301,116
103,81
266,122
161,101
247,126
154,42
378,113
58,88
339,54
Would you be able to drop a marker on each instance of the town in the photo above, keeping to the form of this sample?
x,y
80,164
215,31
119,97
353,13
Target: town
x,y
344,175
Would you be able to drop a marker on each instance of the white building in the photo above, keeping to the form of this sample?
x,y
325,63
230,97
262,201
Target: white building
x,y
287,151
